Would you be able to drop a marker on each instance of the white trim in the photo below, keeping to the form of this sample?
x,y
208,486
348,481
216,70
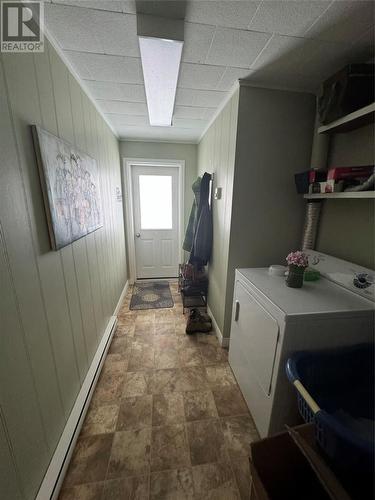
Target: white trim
x,y
122,297
127,188
219,109
223,341
57,468
80,81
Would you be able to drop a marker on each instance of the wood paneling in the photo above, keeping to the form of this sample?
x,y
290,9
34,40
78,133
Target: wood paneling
x,y
54,306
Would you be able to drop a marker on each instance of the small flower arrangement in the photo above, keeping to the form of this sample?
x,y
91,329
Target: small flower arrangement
x,y
298,259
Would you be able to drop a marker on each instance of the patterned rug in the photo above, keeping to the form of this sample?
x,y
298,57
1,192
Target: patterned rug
x,y
151,295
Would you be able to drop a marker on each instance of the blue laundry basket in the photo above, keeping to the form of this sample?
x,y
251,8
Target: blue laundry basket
x,y
335,390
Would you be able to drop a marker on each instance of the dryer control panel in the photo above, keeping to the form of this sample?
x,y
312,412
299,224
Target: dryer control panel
x,y
357,279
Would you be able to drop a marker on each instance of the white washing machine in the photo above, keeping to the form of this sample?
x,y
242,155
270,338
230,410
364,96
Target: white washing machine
x,y
270,321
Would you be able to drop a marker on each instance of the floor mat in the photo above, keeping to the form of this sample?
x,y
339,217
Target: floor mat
x,y
151,295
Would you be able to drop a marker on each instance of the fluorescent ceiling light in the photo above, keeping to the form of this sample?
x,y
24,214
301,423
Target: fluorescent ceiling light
x,y
161,63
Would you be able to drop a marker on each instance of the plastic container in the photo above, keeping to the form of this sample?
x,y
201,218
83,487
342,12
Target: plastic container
x,y
335,390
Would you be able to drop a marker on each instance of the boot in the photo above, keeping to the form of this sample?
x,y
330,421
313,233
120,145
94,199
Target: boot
x,y
196,323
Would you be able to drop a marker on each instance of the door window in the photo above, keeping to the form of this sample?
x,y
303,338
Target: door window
x,y
155,196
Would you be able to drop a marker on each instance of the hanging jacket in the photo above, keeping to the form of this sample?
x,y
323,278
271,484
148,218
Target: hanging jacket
x,y
193,218
202,244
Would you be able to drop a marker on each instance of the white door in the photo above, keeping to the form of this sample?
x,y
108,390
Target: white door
x,y
156,221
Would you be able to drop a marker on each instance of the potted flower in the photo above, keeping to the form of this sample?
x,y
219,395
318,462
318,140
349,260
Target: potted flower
x,y
297,263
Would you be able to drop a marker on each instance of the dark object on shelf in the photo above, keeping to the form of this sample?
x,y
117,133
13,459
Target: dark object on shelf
x,y
198,322
367,185
359,172
350,89
335,390
304,179
288,466
193,286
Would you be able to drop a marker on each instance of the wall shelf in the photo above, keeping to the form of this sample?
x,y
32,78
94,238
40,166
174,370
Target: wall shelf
x,y
352,121
343,195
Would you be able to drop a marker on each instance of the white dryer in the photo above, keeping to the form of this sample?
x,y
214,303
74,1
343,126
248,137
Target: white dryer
x,y
271,321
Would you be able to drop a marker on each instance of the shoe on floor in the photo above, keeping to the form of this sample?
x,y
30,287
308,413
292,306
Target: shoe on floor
x,y
198,322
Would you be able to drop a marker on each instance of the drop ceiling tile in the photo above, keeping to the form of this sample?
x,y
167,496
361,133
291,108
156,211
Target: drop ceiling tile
x,y
305,66
119,120
198,38
343,21
72,27
319,59
287,17
106,68
237,48
110,5
123,108
185,97
231,14
202,98
199,76
277,52
189,112
116,91
189,123
117,33
230,76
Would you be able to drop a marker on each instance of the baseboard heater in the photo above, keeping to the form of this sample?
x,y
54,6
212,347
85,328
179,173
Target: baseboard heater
x,y
57,468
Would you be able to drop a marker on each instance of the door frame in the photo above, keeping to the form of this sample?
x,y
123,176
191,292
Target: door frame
x,y
128,163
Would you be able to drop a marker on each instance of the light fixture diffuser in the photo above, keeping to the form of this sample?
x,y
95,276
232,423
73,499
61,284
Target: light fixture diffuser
x,y
161,64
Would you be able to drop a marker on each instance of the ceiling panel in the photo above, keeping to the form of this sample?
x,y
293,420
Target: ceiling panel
x,y
189,112
282,44
198,38
277,52
117,33
189,123
287,17
343,21
92,30
200,76
122,107
237,48
231,14
120,120
116,91
203,98
106,68
230,76
72,27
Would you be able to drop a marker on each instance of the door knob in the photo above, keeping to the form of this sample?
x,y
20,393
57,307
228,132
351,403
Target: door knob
x,y
138,235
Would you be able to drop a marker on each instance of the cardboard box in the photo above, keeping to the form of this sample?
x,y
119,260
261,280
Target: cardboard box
x,y
287,466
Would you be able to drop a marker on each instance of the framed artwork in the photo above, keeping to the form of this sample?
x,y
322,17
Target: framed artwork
x,y
71,190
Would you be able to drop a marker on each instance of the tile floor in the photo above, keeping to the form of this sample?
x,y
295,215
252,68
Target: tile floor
x,y
167,419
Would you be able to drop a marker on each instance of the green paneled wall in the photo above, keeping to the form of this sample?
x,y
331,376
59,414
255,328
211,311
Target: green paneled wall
x,y
216,154
54,306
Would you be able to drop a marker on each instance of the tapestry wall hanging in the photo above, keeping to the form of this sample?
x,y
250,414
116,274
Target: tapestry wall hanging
x,y
70,185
